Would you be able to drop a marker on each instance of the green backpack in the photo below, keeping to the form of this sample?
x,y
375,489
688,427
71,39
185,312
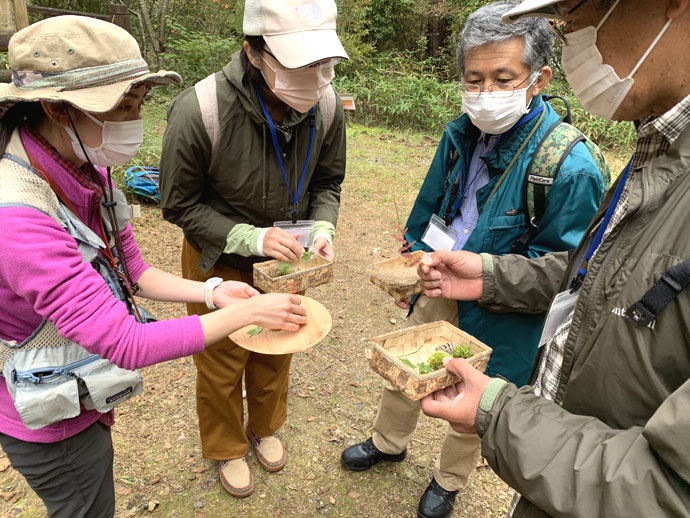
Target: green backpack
x,y
551,152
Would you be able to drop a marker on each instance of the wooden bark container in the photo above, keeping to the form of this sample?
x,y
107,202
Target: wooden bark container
x,y
306,274
416,344
397,276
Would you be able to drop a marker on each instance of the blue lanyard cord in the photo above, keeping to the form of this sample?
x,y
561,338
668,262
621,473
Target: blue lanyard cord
x,y
523,120
604,222
274,137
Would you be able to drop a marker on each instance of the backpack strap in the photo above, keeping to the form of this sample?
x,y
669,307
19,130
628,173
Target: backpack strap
x,y
672,282
327,105
208,104
554,147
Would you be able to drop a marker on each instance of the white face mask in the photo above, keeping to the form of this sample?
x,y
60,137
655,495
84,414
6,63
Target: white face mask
x,y
496,112
120,141
597,85
299,88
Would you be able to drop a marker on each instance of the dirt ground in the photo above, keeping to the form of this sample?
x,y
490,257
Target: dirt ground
x,y
333,399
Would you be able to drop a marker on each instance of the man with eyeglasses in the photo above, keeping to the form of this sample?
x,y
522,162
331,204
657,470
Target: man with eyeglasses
x,y
473,198
604,431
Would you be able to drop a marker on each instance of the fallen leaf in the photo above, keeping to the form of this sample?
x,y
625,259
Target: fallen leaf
x,y
151,506
179,375
199,469
310,419
331,500
302,394
7,495
122,491
167,445
436,449
4,463
322,449
323,490
393,321
353,494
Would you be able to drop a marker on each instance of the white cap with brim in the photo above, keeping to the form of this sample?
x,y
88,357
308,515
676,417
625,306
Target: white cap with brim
x,y
533,8
297,33
86,62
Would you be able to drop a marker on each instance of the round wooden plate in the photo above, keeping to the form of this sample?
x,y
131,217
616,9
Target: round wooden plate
x,y
278,341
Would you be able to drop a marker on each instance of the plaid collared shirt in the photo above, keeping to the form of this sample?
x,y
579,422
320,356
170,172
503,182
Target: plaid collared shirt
x,y
83,174
655,136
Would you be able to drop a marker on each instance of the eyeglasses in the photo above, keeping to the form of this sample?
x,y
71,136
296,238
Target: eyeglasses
x,y
559,26
472,89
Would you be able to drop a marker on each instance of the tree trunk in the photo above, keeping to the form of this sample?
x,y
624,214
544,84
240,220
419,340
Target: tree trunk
x,y
149,28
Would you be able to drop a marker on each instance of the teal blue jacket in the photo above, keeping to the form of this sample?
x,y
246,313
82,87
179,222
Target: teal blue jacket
x,y
571,203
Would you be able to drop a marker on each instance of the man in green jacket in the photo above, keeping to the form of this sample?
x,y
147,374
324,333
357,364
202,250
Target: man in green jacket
x,y
604,431
248,152
475,193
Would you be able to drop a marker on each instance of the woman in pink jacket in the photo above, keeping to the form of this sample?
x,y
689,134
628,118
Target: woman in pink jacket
x,y
70,329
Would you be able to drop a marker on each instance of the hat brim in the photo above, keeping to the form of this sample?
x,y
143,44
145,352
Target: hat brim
x,y
97,99
299,49
533,8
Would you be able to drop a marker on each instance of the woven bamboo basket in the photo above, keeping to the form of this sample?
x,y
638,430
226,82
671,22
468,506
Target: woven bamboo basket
x,y
306,274
416,344
398,276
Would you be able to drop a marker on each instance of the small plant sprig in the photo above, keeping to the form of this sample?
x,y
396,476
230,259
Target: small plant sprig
x,y
283,269
308,254
255,331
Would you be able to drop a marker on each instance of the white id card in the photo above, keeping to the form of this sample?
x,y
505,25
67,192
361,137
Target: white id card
x,y
561,306
438,236
302,227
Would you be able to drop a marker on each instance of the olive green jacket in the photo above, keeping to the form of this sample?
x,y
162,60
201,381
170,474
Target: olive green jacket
x,y
243,184
616,442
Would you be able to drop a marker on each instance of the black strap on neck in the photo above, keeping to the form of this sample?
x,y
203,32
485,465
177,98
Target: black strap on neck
x,y
672,282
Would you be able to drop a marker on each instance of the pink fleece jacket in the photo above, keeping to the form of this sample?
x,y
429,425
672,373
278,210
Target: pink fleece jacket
x,y
42,276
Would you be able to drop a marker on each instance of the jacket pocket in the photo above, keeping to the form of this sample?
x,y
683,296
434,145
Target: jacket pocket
x,y
629,279
504,231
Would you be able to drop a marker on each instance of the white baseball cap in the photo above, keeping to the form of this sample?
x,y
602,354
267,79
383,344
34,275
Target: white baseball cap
x,y
533,8
298,32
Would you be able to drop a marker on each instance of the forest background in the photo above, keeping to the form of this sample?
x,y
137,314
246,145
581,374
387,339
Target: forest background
x,y
402,68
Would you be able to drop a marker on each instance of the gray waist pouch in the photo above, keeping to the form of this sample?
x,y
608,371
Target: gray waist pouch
x,y
47,385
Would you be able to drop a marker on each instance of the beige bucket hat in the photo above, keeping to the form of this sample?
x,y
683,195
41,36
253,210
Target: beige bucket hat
x,y
298,32
87,62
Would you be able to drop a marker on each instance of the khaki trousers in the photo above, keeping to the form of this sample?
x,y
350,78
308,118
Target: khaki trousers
x,y
398,415
219,370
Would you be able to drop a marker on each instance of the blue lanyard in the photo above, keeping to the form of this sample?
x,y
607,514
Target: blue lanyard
x,y
603,225
274,138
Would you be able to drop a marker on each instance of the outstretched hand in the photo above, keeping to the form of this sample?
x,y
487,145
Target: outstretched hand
x,y
322,247
229,292
458,403
278,311
451,275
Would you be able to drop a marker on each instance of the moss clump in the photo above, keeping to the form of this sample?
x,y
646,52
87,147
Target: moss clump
x,y
462,351
435,360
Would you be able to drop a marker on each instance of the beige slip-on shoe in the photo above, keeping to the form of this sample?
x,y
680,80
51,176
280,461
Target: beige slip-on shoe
x,y
236,477
269,451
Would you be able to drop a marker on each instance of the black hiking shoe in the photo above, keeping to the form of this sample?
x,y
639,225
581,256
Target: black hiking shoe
x,y
436,502
362,456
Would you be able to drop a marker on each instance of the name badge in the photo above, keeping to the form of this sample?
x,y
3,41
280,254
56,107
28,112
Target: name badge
x,y
439,236
302,227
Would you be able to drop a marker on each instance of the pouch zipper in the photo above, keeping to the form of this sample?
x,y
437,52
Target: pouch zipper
x,y
45,374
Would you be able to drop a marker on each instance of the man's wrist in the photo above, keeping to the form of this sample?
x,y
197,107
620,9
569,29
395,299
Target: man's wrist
x,y
490,392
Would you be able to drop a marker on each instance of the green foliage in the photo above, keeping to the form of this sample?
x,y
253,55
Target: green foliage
x,y
195,54
255,331
408,363
308,254
435,359
283,269
462,351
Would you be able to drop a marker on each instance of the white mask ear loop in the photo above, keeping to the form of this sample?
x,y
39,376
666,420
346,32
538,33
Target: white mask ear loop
x,y
651,47
606,16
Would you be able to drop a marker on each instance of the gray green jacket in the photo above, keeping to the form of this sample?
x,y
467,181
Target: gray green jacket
x,y
616,442
243,184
